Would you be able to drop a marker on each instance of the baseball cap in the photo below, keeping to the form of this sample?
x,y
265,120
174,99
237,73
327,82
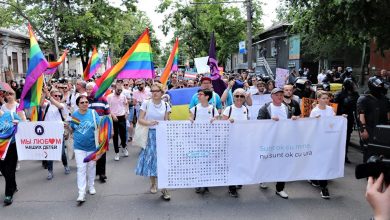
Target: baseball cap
x,y
276,90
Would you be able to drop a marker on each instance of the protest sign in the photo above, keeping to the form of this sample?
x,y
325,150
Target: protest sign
x,y
201,65
281,77
39,140
249,152
257,102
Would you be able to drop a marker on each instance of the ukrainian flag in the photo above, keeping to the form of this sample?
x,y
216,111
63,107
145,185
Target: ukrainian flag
x,y
180,101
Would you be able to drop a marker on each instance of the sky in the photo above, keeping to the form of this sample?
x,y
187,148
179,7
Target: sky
x,y
149,6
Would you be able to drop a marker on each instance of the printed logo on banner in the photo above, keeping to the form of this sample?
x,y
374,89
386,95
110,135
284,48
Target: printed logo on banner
x,y
39,130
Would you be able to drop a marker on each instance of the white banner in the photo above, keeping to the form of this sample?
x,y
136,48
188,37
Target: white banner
x,y
257,102
201,65
40,140
249,152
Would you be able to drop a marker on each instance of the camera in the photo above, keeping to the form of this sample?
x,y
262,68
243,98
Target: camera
x,y
379,149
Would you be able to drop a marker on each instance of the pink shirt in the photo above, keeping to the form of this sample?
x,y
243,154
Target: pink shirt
x,y
141,96
118,104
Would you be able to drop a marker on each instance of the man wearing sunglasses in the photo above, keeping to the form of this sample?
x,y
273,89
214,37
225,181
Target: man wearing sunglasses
x,y
140,95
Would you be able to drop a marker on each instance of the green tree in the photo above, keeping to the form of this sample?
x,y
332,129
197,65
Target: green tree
x,y
194,23
328,26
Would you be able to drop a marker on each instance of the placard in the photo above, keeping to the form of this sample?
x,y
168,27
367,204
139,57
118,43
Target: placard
x,y
40,140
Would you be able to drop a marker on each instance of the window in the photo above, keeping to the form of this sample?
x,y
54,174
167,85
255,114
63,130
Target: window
x,y
24,62
15,62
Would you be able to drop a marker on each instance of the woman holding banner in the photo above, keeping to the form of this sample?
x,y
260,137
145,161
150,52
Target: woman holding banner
x,y
84,123
8,153
236,112
151,112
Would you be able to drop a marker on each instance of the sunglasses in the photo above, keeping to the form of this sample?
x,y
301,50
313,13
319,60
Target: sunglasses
x,y
240,96
200,94
85,102
155,90
125,84
139,85
10,93
56,96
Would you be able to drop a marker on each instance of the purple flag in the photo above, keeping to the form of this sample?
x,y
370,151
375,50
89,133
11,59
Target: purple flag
x,y
218,84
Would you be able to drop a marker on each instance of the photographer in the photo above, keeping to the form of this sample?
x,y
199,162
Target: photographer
x,y
378,195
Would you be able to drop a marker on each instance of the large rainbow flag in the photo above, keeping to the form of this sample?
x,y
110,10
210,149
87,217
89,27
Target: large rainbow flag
x,y
136,63
93,65
172,63
105,128
180,100
32,90
52,68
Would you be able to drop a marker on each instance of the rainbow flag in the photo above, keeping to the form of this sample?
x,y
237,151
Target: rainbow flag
x,y
136,63
105,128
52,68
32,90
75,120
171,63
93,65
180,100
5,141
138,60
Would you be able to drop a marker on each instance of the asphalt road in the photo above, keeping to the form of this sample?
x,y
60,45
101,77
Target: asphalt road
x,y
126,196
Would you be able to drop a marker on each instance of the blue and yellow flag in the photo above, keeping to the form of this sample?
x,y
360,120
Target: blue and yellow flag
x,y
180,100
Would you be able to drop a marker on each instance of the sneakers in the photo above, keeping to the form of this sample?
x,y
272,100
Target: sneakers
x,y
202,190
8,200
92,190
165,195
81,197
102,178
50,175
314,183
153,189
125,152
233,193
67,170
198,189
282,194
263,186
17,166
116,158
325,193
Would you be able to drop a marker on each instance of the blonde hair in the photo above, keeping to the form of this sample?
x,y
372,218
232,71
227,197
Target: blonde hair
x,y
159,86
321,93
239,90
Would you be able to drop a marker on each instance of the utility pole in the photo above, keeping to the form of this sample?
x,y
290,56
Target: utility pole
x,y
249,32
248,24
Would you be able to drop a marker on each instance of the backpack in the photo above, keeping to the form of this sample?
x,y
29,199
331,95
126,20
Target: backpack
x,y
247,112
47,108
213,111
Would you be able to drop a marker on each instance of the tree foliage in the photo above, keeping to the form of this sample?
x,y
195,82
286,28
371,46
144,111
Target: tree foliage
x,y
327,26
81,24
194,23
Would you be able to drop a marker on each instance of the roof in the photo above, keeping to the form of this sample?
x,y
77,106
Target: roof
x,y
4,31
276,26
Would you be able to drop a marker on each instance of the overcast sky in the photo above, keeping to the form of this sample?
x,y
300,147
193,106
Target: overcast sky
x,y
149,7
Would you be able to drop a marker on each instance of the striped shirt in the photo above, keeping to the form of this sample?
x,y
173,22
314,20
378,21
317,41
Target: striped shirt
x,y
100,105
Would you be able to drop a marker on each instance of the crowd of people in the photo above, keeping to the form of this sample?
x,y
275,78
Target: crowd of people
x,y
144,101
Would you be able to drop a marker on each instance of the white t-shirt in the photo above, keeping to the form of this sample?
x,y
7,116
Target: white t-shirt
x,y
13,109
126,93
327,112
237,113
278,111
321,77
204,113
155,112
53,114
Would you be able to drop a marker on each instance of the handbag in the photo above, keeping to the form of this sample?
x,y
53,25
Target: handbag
x,y
140,138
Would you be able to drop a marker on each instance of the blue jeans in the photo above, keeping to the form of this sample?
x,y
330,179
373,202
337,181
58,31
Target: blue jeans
x,y
63,158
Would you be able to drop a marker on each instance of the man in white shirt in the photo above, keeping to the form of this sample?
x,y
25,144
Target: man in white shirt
x,y
276,110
